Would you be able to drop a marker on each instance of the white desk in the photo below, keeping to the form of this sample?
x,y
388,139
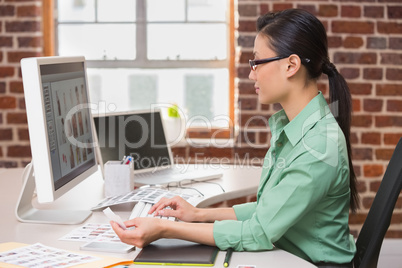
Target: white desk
x,y
237,182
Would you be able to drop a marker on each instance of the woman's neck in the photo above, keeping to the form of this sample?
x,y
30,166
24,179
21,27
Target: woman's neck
x,y
299,99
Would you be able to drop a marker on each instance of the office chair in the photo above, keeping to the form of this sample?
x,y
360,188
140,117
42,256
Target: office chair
x,y
378,219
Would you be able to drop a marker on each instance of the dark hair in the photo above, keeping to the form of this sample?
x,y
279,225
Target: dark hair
x,y
296,31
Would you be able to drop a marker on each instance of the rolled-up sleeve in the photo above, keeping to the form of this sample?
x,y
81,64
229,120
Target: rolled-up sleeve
x,y
297,189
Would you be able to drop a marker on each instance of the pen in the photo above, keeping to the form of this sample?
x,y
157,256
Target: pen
x,y
123,160
227,257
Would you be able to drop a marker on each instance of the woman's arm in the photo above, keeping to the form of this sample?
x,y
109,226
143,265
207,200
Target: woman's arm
x,y
184,211
150,229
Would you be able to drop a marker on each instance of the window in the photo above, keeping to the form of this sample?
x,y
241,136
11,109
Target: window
x,y
153,51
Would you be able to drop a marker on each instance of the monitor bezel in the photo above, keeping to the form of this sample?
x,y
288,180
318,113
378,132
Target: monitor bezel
x,y
38,131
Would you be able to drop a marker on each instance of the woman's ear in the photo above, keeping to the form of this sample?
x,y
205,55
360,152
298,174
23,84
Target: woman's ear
x,y
294,64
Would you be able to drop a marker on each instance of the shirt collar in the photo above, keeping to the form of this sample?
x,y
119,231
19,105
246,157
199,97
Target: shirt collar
x,y
316,109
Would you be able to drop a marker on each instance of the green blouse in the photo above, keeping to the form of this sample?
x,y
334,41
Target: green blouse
x,y
303,198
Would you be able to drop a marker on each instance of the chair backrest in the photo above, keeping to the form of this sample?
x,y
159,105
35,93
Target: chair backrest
x,y
378,219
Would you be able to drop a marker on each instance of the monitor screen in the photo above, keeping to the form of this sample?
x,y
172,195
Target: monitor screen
x,y
67,120
59,122
138,134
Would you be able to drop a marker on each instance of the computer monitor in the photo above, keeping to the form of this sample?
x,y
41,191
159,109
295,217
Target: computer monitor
x,y
61,136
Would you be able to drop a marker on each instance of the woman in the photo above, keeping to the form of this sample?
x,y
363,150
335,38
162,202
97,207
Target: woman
x,y
307,184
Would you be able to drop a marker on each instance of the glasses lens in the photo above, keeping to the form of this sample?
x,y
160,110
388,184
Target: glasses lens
x,y
252,65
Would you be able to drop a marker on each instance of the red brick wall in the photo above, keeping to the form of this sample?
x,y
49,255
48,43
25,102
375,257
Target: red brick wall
x,y
20,36
365,38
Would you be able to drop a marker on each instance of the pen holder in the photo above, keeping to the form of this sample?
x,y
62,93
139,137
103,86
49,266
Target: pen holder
x,y
119,178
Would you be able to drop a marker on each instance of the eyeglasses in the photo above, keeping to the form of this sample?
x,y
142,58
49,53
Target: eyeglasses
x,y
254,63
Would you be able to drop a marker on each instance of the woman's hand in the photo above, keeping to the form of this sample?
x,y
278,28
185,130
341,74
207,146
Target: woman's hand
x,y
146,231
179,208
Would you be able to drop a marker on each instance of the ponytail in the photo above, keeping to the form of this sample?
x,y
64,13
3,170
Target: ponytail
x,y
339,94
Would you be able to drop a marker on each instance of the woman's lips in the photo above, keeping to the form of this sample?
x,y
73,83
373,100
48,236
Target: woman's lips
x,y
257,89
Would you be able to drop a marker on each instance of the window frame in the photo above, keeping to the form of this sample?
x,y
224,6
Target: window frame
x,y
49,48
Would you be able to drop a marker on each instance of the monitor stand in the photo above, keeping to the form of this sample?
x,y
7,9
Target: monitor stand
x,y
25,212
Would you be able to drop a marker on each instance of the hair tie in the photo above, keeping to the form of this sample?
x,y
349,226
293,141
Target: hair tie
x,y
329,69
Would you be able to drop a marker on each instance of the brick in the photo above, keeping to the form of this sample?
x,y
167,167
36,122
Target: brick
x,y
29,42
388,121
243,72
395,43
360,88
353,138
248,103
374,11
353,58
391,58
356,105
352,42
28,11
310,8
281,6
2,87
356,27
362,120
19,151
351,11
328,10
17,118
264,107
6,72
247,26
6,41
357,218
246,88
392,138
376,42
372,73
8,102
362,153
1,152
372,105
383,154
16,87
246,41
16,56
247,137
6,134
374,186
373,170
334,41
393,74
393,234
367,202
253,120
247,10
7,10
371,138
394,12
21,103
389,27
394,105
389,90
22,26
350,73
264,137
23,134
264,8
245,56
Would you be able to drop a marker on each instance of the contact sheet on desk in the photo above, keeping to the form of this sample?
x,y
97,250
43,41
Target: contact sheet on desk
x,y
148,195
